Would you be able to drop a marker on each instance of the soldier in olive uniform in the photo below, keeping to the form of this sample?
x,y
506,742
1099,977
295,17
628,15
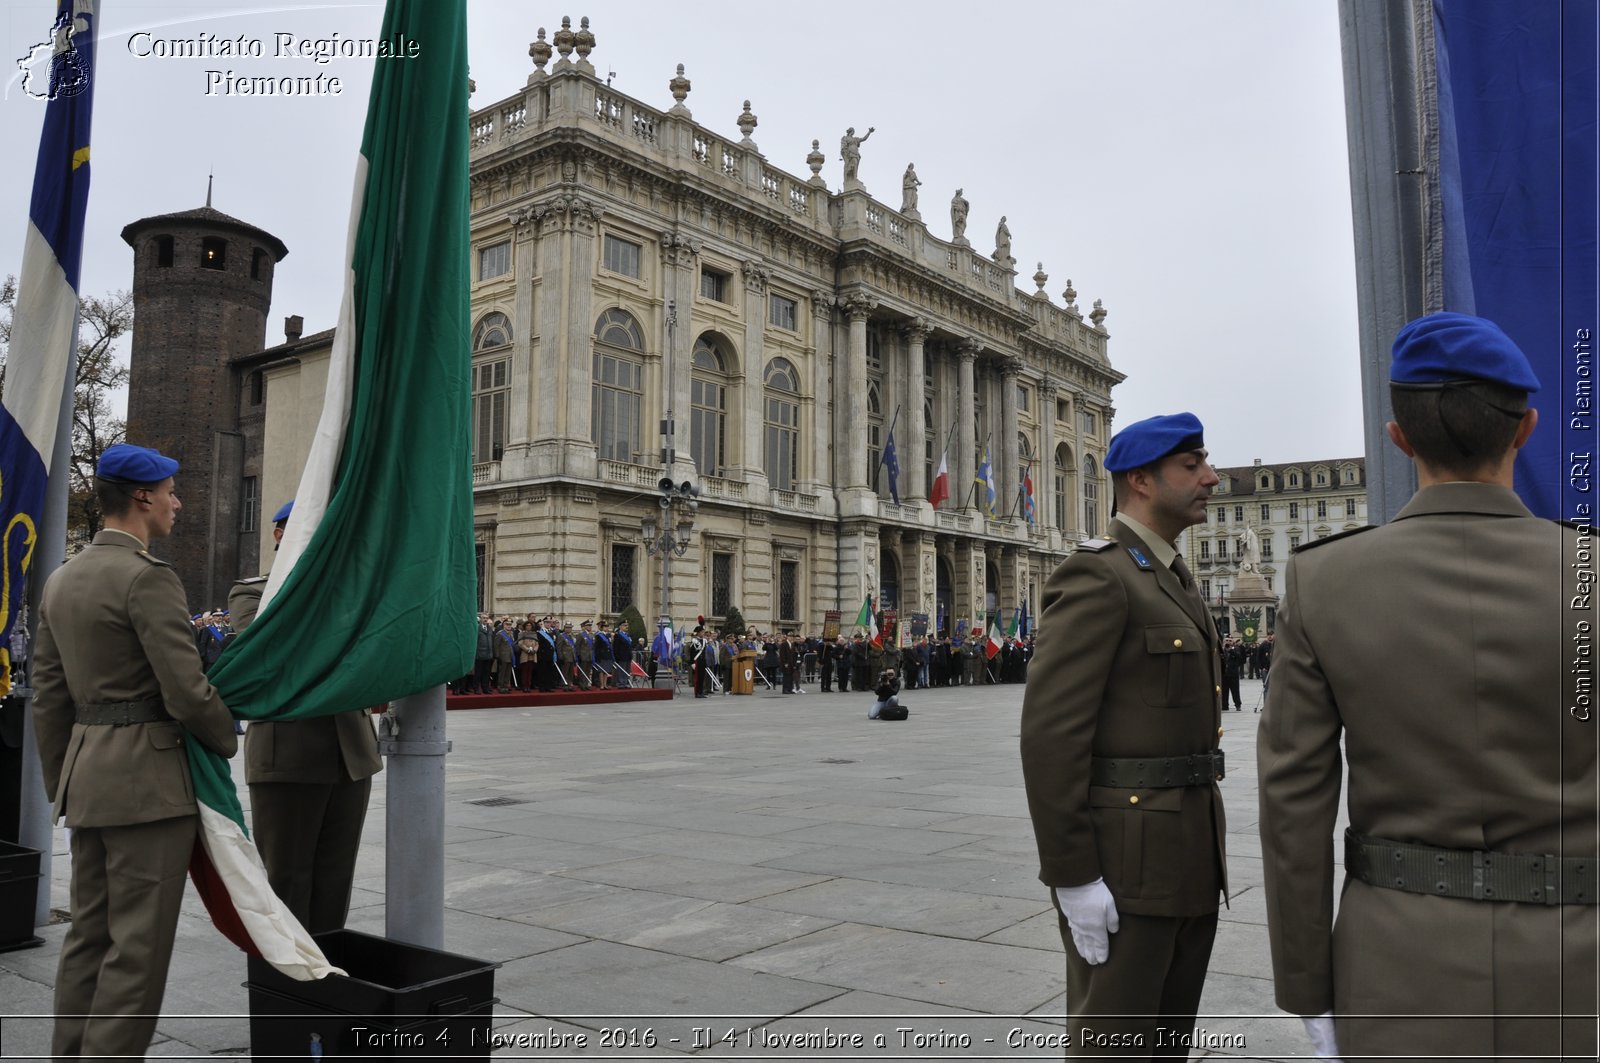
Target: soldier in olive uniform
x,y
310,781
1440,646
1119,752
117,680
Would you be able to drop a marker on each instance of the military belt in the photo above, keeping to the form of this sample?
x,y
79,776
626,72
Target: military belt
x,y
1523,878
123,713
1198,769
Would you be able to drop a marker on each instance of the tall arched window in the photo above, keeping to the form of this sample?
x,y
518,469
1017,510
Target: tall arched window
x,y
782,435
1091,496
877,475
618,386
708,391
491,386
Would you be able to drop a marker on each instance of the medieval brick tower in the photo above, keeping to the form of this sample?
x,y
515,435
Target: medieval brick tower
x,y
202,285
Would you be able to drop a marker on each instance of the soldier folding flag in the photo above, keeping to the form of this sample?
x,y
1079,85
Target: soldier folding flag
x,y
44,324
373,593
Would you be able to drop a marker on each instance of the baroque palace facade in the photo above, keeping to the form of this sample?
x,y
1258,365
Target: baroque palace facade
x,y
636,273
635,267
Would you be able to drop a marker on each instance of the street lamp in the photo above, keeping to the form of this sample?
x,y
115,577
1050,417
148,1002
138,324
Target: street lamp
x,y
669,536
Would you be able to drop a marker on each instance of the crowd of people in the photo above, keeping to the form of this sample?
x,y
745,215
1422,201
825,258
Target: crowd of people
x,y
547,653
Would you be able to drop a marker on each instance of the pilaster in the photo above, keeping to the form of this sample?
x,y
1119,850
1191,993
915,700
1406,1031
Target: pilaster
x,y
916,430
966,414
753,413
1008,482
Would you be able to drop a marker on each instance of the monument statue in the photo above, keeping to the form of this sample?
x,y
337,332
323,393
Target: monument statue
x,y
1252,551
908,189
850,151
958,218
1002,241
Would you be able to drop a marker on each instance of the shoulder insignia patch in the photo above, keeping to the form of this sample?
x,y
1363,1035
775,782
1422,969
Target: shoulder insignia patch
x,y
1139,558
1096,545
1313,544
152,558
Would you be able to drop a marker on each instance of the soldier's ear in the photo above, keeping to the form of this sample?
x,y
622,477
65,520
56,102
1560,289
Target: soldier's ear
x,y
1397,436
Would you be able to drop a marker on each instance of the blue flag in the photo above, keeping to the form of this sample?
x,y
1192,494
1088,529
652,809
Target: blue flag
x,y
1518,159
892,463
44,327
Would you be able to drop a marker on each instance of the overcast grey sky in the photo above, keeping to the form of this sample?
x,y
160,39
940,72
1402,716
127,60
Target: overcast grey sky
x,y
1183,162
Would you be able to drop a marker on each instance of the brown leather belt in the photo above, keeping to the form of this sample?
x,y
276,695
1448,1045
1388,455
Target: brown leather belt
x,y
1159,773
122,713
1476,875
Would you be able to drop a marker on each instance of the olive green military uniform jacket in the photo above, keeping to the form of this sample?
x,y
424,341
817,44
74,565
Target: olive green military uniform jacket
x,y
327,749
1126,665
114,627
1442,648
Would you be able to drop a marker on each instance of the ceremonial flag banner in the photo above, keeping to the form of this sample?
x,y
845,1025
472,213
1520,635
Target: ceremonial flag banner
x,y
992,646
1016,622
43,327
941,481
372,594
1027,495
1518,98
868,619
892,464
985,482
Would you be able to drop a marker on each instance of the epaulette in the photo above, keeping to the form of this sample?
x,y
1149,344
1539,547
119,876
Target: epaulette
x,y
252,579
1096,545
1576,525
1325,540
153,559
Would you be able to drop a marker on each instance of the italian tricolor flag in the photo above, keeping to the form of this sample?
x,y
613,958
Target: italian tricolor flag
x,y
372,593
994,643
868,618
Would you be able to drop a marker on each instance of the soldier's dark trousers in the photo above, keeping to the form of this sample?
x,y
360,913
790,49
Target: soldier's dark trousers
x,y
1140,1003
308,834
127,887
1230,688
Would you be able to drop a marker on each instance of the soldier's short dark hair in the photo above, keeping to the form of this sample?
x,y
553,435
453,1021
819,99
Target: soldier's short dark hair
x,y
1461,426
116,499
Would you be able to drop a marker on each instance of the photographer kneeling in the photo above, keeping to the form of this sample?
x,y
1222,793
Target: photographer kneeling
x,y
888,706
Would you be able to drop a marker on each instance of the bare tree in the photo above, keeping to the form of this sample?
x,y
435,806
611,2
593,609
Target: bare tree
x,y
103,322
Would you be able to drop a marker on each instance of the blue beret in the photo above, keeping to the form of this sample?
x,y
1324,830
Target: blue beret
x,y
1148,441
128,464
1445,347
283,511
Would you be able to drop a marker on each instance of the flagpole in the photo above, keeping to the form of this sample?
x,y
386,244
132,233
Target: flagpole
x,y
35,828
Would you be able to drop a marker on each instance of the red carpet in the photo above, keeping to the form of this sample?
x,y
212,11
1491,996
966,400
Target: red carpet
x,y
535,700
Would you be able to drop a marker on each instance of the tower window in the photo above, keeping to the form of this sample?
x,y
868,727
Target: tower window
x,y
258,388
163,250
258,258
213,253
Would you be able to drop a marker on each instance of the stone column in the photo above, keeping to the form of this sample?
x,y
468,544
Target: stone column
x,y
550,360
823,372
679,256
858,309
752,408
1009,480
966,413
1044,476
1075,503
584,218
916,432
522,406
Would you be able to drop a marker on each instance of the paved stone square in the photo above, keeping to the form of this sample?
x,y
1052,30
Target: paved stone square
x,y
775,867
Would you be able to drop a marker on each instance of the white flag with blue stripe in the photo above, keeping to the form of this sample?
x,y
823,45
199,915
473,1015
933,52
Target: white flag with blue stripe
x,y
43,328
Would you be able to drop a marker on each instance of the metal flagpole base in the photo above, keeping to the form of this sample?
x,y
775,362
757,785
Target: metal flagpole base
x,y
413,738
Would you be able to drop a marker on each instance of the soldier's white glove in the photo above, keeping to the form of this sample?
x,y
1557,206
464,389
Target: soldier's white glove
x,y
1320,1029
1092,917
